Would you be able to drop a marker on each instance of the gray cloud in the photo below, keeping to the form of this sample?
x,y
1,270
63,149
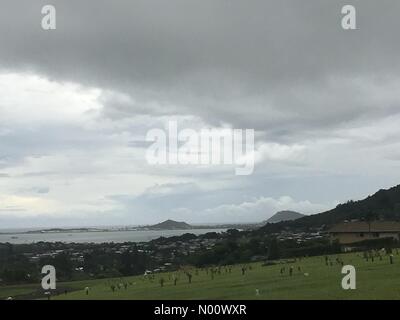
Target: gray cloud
x,y
285,68
40,190
213,58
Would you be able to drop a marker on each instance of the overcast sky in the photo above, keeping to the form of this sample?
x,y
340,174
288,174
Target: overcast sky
x,y
76,104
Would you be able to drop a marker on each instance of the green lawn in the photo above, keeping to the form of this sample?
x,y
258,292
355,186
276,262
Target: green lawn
x,y
375,280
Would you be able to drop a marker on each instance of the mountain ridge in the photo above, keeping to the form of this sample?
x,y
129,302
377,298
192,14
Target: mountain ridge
x,y
284,215
171,225
384,204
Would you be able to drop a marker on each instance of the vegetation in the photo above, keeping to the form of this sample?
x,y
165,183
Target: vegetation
x,y
385,204
207,254
312,278
22,263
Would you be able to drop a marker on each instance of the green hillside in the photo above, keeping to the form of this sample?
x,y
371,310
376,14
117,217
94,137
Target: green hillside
x,y
314,280
384,204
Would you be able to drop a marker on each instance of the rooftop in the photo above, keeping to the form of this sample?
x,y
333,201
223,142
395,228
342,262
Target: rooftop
x,y
363,226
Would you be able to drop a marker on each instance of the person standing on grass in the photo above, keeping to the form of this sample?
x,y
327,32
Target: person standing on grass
x,y
189,275
87,291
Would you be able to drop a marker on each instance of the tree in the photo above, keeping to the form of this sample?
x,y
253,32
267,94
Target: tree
x,y
273,249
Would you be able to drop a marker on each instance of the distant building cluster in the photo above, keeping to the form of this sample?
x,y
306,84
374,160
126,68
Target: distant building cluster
x,y
301,237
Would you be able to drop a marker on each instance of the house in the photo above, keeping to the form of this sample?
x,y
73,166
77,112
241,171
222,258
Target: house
x,y
355,231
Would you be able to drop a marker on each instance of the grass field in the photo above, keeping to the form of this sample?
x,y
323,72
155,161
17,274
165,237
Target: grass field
x,y
316,280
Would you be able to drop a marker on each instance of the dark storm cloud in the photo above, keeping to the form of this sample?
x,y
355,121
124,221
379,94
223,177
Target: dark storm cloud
x,y
241,62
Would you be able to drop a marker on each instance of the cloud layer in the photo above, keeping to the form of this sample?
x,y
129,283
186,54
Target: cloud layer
x,y
77,102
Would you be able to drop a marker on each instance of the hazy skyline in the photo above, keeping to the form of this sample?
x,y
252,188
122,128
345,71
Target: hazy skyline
x,y
76,104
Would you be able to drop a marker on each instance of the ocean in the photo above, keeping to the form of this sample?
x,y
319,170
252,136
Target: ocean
x,y
96,236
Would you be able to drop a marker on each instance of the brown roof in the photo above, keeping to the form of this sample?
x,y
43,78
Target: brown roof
x,y
362,226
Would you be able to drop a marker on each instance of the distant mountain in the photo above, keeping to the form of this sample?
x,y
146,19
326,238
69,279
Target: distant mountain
x,y
384,205
171,225
284,216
